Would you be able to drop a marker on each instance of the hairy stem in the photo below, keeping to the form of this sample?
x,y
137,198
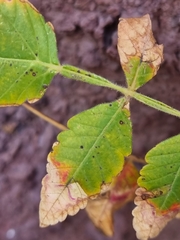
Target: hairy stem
x,y
82,75
44,117
156,104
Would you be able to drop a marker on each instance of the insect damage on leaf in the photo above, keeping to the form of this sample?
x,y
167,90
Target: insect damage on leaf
x,y
140,56
147,222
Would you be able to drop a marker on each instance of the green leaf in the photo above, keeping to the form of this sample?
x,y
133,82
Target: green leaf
x,y
161,176
140,56
28,54
92,152
137,72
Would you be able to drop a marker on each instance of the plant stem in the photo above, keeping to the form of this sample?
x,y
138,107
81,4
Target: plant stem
x,y
135,159
75,73
82,75
156,104
44,117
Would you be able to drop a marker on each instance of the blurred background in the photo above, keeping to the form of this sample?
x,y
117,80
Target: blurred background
x,y
86,33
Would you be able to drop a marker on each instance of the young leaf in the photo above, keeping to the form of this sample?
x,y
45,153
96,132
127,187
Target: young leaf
x,y
140,56
122,191
57,201
92,152
160,178
28,54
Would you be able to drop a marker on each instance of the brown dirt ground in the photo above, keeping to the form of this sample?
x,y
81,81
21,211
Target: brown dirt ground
x,y
87,37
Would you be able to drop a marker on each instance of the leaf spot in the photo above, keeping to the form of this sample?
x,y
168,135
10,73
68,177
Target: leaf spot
x,y
88,75
45,86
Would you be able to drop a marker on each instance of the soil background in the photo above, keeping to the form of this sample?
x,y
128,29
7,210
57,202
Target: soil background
x,y
86,33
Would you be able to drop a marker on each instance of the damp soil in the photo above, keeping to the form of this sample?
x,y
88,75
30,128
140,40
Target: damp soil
x,y
86,33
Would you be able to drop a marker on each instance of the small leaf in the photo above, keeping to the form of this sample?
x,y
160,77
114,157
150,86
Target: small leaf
x,y
28,54
140,56
57,201
147,222
122,191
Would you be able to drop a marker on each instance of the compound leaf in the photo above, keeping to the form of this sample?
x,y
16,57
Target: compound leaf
x,y
92,152
28,54
160,184
140,56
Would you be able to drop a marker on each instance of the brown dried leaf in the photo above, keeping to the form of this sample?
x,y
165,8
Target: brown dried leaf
x,y
147,222
122,191
58,201
140,56
100,213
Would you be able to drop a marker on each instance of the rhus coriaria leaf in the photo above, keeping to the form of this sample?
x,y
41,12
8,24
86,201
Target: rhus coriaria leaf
x,y
140,56
58,201
159,192
28,54
122,191
96,137
84,155
147,222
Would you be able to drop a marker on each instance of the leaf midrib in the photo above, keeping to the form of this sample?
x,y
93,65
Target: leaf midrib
x,y
98,138
51,66
133,85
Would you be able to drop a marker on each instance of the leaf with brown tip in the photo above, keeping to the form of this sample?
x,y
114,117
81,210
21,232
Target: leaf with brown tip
x,y
147,222
140,56
57,200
